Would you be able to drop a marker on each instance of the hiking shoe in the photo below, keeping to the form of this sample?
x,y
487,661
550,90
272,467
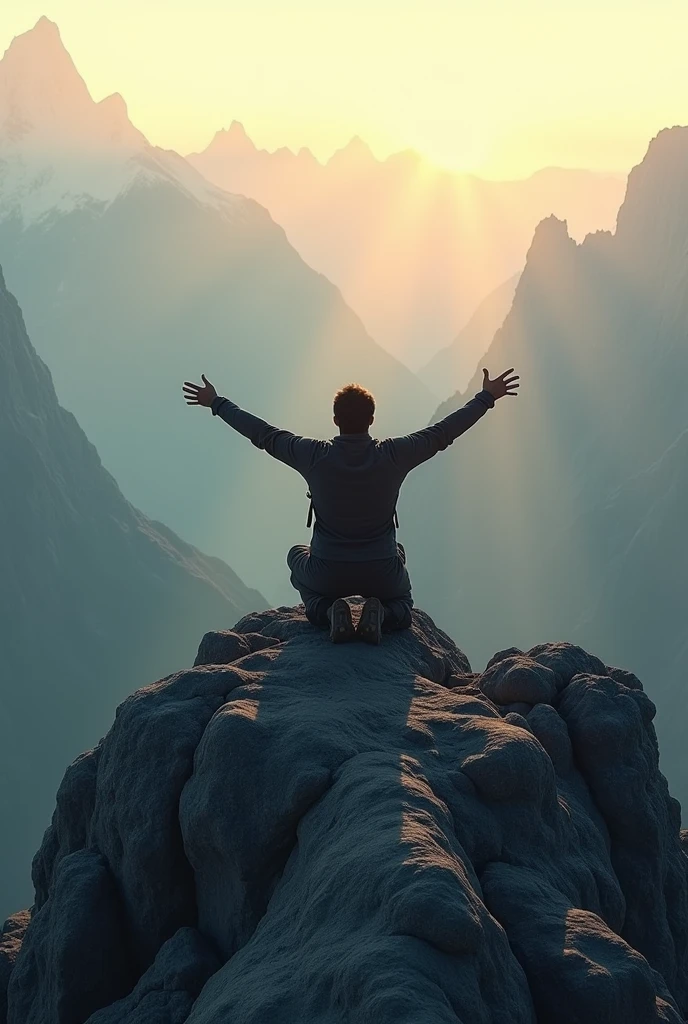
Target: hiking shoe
x,y
341,623
369,628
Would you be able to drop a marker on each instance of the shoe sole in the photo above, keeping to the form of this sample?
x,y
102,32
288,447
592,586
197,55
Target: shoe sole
x,y
341,624
369,628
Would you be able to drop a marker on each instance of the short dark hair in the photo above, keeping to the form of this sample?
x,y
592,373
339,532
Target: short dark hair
x,y
354,408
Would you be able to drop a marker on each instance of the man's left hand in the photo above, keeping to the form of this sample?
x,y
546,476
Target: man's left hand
x,y
199,394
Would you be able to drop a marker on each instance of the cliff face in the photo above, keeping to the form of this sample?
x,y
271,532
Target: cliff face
x,y
577,488
292,830
92,593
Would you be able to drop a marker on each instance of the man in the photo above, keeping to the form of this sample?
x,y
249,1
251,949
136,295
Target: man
x,y
354,482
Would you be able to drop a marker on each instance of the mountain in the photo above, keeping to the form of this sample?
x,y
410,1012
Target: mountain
x,y
92,594
60,151
414,249
572,496
452,367
135,274
291,831
635,605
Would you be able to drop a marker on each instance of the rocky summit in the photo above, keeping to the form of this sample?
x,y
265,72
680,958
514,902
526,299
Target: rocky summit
x,y
293,831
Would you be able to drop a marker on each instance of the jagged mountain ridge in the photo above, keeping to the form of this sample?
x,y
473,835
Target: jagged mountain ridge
x,y
557,487
128,295
91,593
59,150
292,830
413,248
452,368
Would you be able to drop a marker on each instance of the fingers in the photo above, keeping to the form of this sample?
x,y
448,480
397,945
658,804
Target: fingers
x,y
503,375
486,375
192,392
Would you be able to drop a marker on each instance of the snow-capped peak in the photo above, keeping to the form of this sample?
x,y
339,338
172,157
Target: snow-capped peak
x,y
40,89
59,149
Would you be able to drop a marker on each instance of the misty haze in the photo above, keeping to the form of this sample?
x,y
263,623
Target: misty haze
x,y
336,685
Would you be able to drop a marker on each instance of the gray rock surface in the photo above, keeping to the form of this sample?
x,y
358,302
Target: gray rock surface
x,y
75,956
221,647
518,679
11,938
166,992
312,832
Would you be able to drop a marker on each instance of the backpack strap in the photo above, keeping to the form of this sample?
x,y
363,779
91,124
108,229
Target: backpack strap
x,y
396,519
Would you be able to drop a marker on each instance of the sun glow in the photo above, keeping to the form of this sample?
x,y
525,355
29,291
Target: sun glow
x,y
495,88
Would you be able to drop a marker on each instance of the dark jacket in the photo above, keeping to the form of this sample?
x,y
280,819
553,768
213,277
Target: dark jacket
x,y
354,479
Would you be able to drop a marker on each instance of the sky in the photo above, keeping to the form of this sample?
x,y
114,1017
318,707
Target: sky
x,y
495,87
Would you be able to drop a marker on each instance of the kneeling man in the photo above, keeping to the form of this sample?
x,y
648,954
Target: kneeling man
x,y
354,481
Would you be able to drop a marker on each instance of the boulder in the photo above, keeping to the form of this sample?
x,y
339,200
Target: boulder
x,y
519,679
222,647
565,660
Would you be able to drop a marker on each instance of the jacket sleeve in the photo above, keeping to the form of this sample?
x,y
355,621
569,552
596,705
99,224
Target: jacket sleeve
x,y
297,452
409,451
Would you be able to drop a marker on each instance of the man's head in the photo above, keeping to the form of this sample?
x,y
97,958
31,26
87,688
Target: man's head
x,y
354,409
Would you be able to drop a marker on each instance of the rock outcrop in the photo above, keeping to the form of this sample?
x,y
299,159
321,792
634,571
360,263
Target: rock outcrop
x,y
296,831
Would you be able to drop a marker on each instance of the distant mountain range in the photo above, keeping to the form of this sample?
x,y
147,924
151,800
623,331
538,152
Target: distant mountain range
x,y
86,581
563,513
564,506
453,367
134,273
413,248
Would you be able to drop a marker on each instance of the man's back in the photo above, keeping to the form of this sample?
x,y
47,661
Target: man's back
x,y
354,479
354,487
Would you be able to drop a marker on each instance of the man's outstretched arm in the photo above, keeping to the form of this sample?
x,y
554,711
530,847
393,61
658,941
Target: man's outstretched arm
x,y
297,452
413,449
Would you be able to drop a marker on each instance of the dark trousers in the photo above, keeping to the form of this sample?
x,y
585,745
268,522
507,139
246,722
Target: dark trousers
x,y
321,580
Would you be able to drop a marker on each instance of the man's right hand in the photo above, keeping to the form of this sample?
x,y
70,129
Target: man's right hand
x,y
197,394
502,385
